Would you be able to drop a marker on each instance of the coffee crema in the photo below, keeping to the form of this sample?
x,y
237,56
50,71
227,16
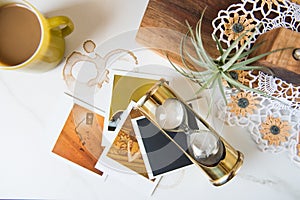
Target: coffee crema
x,y
20,34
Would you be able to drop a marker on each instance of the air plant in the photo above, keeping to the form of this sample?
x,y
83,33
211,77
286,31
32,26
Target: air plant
x,y
222,68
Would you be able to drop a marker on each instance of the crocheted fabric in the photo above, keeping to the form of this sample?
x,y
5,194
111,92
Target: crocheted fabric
x,y
271,14
273,124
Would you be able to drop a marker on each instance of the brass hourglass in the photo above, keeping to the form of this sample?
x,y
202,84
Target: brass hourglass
x,y
206,148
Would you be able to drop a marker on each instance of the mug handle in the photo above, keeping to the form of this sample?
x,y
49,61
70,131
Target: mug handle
x,y
61,21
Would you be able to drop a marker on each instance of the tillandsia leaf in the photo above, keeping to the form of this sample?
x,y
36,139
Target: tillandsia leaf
x,y
194,76
213,85
198,50
220,84
190,76
237,55
220,48
183,50
248,68
197,62
233,45
182,56
207,83
208,59
253,59
194,42
240,85
247,53
179,69
202,75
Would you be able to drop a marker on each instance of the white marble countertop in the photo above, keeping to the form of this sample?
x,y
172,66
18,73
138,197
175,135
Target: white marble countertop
x,y
34,109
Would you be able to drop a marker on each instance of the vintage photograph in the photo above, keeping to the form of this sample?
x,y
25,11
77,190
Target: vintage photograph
x,y
124,88
125,148
81,137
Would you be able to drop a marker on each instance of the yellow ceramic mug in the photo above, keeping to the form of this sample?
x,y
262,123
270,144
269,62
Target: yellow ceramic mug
x,y
28,40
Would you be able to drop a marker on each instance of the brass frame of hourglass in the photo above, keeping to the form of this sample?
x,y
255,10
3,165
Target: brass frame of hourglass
x,y
221,172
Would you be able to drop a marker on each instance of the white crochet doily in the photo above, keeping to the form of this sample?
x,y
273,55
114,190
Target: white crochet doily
x,y
270,14
280,120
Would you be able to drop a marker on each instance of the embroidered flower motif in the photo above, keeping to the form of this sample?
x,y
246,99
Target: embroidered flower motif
x,y
275,131
298,149
237,25
240,76
243,103
270,2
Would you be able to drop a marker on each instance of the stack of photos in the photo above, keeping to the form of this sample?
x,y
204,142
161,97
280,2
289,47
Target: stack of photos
x,y
120,141
123,158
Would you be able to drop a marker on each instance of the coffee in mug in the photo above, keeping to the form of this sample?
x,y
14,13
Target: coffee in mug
x,y
28,40
20,34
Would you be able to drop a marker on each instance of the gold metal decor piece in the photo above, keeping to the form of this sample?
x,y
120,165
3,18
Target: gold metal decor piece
x,y
222,164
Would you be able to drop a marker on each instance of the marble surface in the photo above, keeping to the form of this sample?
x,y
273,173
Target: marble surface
x,y
34,108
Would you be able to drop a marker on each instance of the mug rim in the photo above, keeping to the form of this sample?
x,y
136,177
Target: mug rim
x,y
37,14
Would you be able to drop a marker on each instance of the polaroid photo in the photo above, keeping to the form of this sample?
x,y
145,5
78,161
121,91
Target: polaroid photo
x,y
160,154
124,87
123,160
80,139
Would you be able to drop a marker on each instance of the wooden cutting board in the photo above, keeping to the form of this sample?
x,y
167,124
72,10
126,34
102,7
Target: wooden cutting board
x,y
163,24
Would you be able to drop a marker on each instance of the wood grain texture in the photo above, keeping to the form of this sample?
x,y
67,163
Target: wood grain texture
x,y
70,146
119,150
283,63
163,24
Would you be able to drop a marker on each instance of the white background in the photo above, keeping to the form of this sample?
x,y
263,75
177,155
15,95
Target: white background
x,y
33,109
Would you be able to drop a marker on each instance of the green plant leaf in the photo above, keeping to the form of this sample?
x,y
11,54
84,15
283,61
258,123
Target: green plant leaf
x,y
190,76
179,69
194,43
237,55
182,56
247,53
213,85
240,85
183,50
220,84
197,62
208,59
220,48
249,68
251,60
234,44
207,83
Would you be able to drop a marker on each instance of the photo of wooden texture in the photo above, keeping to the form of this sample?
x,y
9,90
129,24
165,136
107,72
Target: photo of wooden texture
x,y
80,138
125,149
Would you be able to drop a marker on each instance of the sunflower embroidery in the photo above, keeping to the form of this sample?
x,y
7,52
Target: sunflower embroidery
x,y
237,25
243,103
275,131
270,2
240,76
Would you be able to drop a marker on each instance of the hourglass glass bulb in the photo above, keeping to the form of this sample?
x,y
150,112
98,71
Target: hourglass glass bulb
x,y
170,114
203,145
